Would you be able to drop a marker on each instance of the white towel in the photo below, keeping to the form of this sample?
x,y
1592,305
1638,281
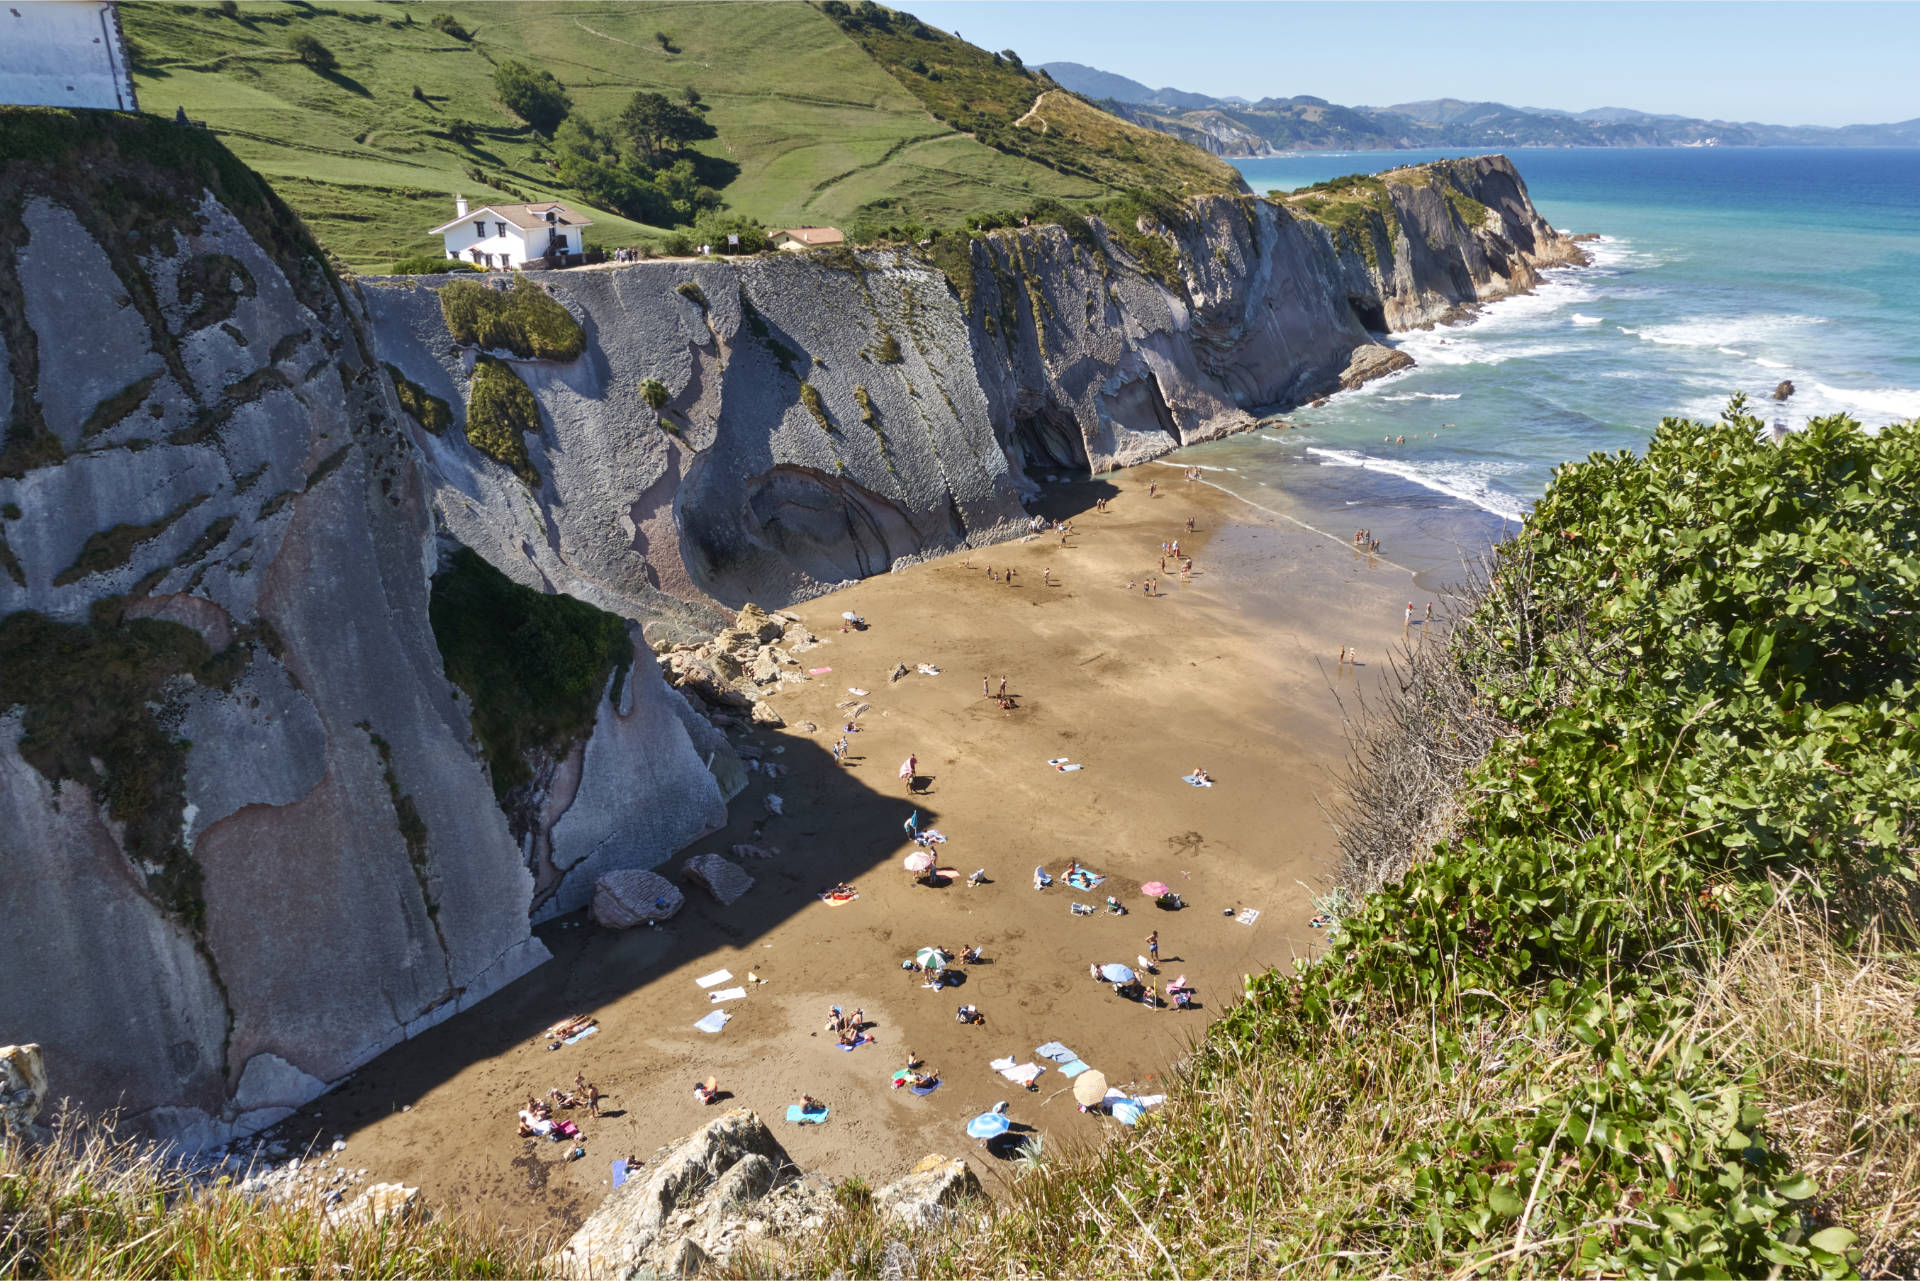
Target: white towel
x,y
727,994
1001,1065
714,1021
1024,1073
718,976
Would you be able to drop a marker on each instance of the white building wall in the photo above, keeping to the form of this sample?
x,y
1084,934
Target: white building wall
x,y
63,53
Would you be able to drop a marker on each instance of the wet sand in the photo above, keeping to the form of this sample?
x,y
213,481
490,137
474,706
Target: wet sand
x,y
1233,672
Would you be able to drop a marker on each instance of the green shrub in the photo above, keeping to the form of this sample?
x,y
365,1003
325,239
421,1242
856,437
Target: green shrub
x,y
810,397
690,290
314,54
427,409
533,95
887,350
534,665
524,320
867,415
447,23
429,265
501,411
654,392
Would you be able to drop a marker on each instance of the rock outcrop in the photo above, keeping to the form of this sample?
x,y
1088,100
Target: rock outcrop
x,y
632,896
730,1184
23,1089
836,414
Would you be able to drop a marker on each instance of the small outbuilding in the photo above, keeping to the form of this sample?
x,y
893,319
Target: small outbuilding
x,y
509,237
808,237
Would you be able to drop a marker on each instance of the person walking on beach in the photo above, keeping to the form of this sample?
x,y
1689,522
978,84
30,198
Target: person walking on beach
x,y
986,688
1408,631
908,769
592,1093
1003,687
1153,948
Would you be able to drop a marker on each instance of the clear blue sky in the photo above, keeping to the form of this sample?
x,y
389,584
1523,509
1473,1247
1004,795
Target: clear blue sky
x,y
1778,63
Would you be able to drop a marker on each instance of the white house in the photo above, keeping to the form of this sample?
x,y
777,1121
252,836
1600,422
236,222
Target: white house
x,y
64,53
539,235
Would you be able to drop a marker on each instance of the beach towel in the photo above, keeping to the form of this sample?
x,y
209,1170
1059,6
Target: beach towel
x,y
818,671
932,836
1195,780
830,901
1073,1069
619,1173
1080,909
924,1090
714,1021
1068,769
581,1036
857,1044
906,769
912,824
1059,761
857,693
1001,1065
1025,1073
799,1116
1249,916
928,669
718,976
727,994
1057,1052
1082,879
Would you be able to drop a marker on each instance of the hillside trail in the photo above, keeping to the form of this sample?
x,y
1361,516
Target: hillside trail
x,y
1033,111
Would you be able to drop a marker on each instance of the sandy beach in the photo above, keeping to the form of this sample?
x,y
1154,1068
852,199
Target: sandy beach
x,y
1233,672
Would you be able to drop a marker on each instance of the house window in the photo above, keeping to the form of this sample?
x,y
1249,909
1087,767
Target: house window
x,y
479,227
501,228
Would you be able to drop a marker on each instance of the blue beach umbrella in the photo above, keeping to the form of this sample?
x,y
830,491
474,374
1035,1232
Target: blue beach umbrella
x,y
988,1125
1114,973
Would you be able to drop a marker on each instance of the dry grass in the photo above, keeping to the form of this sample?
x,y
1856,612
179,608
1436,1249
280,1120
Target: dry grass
x,y
93,1202
1833,1035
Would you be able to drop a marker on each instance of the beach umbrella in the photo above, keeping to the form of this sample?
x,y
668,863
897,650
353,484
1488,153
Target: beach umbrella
x,y
1115,973
988,1125
918,861
1090,1087
1156,889
931,958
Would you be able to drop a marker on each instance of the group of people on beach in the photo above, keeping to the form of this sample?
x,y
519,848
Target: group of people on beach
x,y
1365,541
537,1118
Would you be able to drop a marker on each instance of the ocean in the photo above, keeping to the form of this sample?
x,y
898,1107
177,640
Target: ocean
x,y
1719,270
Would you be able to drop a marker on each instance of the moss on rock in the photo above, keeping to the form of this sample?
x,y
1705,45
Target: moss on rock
x,y
427,409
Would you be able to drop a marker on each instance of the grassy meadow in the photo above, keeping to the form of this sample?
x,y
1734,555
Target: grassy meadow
x,y
810,129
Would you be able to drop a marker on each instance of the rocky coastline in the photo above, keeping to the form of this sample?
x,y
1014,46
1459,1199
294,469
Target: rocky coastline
x,y
216,499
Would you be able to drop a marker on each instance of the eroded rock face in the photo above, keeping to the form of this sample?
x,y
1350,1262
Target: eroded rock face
x,y
832,416
23,1089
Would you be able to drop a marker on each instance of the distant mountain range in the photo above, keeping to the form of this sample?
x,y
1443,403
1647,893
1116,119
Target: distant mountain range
x,y
1238,128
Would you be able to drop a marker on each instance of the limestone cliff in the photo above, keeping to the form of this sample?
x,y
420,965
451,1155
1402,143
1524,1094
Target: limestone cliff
x,y
833,415
246,839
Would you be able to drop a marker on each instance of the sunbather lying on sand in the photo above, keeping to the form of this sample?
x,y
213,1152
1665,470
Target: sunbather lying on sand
x,y
969,1014
706,1091
568,1026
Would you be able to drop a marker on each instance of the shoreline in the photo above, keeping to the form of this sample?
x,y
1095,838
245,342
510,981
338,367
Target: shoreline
x,y
1233,672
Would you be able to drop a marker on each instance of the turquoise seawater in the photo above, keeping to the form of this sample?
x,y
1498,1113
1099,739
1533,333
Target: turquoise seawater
x,y
1718,271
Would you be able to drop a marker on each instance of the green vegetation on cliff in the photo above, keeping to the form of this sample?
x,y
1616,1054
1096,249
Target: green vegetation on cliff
x,y
501,410
427,409
1628,993
525,320
533,664
807,126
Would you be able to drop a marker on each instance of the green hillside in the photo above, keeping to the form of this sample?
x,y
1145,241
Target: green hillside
x,y
808,127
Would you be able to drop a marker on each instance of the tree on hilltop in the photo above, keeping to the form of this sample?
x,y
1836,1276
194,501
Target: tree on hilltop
x,y
313,53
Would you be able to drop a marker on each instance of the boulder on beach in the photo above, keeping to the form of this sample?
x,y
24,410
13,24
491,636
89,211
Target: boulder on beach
x,y
633,896
1784,390
725,881
23,1089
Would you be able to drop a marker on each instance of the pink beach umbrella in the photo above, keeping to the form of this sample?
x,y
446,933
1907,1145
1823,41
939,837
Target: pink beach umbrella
x,y
918,861
1155,889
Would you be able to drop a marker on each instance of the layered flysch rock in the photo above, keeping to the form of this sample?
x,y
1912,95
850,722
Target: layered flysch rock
x,y
247,838
837,414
